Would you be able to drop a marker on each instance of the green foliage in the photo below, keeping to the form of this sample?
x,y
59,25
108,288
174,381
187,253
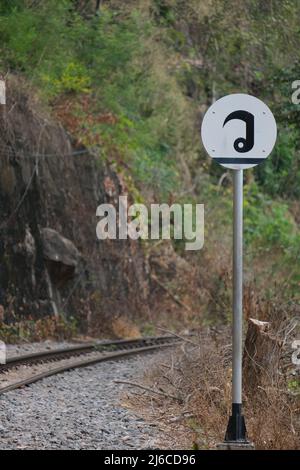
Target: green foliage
x,y
268,223
35,40
73,79
294,386
280,175
128,59
119,61
249,47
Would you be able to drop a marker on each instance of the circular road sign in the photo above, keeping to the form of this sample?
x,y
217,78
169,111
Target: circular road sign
x,y
239,131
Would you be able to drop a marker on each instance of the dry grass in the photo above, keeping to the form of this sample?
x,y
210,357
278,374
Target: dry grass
x,y
30,330
124,328
200,376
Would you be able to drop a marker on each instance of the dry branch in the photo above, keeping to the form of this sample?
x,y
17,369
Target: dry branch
x,y
151,390
170,294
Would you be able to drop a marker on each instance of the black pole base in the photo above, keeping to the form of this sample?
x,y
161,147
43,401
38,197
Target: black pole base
x,y
236,428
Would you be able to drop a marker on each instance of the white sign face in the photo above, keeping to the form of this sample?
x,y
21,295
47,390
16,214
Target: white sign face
x,y
239,131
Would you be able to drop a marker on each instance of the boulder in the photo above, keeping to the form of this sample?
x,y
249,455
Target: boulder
x,y
61,256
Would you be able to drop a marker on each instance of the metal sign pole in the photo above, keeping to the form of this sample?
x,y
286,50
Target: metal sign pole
x,y
237,286
236,430
236,149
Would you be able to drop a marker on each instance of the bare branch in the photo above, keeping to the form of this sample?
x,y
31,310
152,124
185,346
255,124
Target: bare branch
x,y
151,390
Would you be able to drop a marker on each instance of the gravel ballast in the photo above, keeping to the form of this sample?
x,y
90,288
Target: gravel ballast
x,y
13,350
79,409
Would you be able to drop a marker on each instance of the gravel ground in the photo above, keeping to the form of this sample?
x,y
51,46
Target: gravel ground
x,y
24,348
80,409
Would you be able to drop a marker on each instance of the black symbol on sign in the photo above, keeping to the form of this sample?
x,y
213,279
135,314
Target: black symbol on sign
x,y
243,145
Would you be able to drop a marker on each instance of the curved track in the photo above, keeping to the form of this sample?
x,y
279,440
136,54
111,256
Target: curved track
x,y
84,355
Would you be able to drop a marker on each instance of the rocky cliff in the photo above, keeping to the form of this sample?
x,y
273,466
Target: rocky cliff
x,y
50,259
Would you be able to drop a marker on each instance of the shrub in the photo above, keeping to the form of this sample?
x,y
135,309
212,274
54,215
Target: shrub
x,y
118,61
267,222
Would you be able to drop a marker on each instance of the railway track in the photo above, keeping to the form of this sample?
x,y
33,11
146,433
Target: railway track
x,y
82,355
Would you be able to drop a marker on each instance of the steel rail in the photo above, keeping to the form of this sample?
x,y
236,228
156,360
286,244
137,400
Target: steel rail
x,y
84,348
84,363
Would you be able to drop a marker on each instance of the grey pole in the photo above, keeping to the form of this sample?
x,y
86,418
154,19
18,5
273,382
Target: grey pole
x,y
236,429
237,286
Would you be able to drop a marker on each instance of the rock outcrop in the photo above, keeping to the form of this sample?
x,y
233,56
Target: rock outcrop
x,y
50,258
